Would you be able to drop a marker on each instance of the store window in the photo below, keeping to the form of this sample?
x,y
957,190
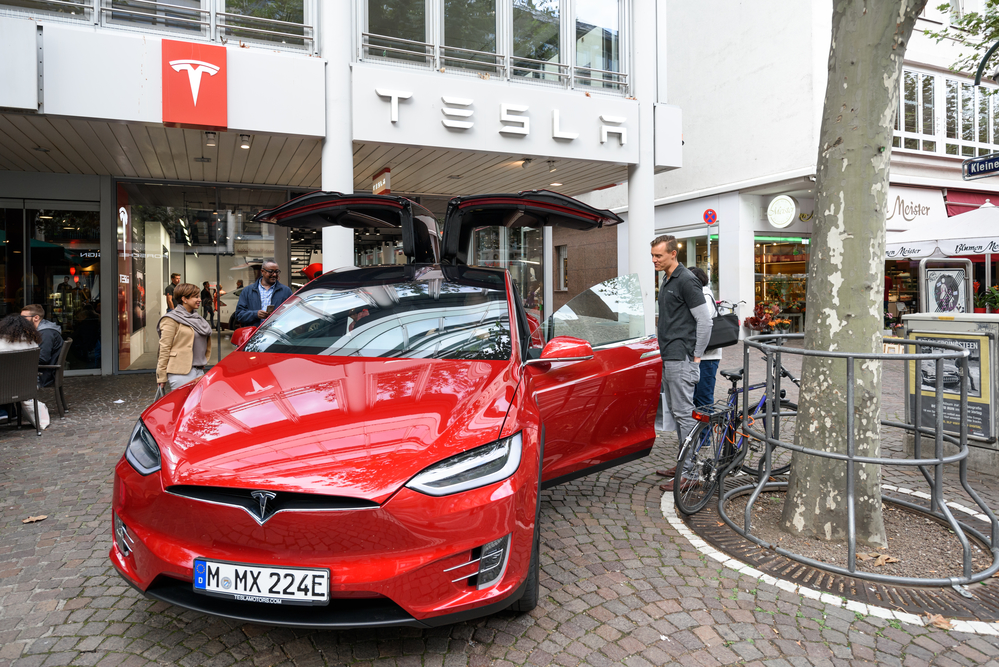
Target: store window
x,y
536,40
397,30
598,44
781,275
470,34
205,235
51,257
915,126
901,286
520,251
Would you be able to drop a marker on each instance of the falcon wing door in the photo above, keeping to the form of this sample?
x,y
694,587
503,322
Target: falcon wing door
x,y
537,208
599,412
388,214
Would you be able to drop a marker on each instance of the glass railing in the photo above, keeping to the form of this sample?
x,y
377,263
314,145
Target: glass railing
x,y
288,24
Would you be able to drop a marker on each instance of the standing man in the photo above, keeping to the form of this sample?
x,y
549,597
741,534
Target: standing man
x,y
684,329
207,309
260,298
51,341
174,281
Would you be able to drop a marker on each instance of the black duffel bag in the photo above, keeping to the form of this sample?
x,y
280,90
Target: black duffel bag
x,y
724,330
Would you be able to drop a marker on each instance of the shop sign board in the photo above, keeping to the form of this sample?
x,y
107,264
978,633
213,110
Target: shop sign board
x,y
194,85
391,105
978,380
980,167
381,183
782,211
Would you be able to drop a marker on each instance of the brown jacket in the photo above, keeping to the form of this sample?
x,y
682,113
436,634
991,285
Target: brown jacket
x,y
176,355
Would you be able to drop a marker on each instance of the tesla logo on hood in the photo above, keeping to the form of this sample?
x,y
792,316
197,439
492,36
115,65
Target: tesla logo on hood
x,y
262,498
257,388
195,85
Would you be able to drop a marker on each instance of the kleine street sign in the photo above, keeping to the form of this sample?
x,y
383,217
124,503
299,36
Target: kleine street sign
x,y
980,167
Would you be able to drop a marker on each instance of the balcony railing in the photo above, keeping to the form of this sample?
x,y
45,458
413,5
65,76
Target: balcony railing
x,y
282,25
382,48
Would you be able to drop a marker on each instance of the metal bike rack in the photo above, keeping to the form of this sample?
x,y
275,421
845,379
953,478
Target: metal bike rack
x,y
772,346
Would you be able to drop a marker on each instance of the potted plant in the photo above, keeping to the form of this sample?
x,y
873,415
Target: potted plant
x,y
763,317
980,303
991,299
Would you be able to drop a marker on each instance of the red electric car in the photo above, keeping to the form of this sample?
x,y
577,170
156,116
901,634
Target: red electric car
x,y
372,454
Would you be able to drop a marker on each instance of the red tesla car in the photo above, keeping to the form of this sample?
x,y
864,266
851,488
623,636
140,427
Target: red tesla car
x,y
373,453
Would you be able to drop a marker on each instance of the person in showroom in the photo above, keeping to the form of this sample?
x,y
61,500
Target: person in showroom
x,y
185,340
258,300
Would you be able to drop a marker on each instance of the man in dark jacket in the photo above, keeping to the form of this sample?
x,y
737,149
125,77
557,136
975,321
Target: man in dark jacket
x,y
684,329
255,300
51,341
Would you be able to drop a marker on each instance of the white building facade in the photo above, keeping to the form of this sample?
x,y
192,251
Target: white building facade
x,y
752,96
137,140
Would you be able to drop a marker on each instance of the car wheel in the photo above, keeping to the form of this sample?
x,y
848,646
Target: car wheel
x,y
529,600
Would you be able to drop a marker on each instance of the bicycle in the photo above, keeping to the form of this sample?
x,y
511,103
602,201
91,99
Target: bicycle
x,y
718,444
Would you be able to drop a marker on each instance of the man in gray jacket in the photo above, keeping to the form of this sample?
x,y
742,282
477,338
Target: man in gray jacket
x,y
684,329
51,341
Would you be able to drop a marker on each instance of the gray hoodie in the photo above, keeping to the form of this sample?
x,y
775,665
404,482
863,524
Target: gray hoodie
x,y
50,348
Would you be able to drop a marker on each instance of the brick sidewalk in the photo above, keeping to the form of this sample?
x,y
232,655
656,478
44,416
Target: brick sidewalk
x,y
620,585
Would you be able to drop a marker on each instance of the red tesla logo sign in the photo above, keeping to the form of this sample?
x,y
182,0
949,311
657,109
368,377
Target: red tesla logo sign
x,y
194,85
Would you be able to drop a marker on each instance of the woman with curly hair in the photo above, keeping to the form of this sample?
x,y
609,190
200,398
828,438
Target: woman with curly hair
x,y
16,333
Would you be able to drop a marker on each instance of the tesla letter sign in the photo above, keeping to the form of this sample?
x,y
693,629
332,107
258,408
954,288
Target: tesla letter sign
x,y
194,85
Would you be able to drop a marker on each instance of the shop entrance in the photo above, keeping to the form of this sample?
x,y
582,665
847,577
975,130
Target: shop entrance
x,y
51,256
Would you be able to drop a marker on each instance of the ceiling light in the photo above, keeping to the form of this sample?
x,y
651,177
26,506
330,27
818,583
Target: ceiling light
x,y
209,138
525,162
203,159
551,166
40,149
244,141
555,185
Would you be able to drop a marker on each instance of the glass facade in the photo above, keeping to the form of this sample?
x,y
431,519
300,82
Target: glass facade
x,y
525,40
52,257
521,252
205,235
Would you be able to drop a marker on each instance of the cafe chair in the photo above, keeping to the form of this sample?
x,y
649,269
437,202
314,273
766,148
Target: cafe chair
x,y
60,397
19,381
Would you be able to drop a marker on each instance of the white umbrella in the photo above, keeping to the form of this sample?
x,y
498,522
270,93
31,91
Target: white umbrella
x,y
973,233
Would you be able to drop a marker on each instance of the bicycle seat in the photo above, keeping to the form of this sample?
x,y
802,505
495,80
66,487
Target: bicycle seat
x,y
732,375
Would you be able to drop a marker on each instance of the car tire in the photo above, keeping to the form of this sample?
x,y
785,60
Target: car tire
x,y
529,600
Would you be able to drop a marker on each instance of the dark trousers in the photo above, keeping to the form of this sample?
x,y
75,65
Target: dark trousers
x,y
209,314
704,392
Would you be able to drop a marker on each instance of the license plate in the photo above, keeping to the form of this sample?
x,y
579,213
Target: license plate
x,y
261,583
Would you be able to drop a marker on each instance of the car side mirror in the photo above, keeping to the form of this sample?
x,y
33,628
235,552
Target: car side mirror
x,y
241,335
563,348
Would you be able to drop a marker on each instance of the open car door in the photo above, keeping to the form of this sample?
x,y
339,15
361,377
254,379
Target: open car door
x,y
388,214
536,208
600,412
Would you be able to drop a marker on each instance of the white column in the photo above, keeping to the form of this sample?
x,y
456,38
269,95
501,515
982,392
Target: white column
x,y
737,216
641,176
338,151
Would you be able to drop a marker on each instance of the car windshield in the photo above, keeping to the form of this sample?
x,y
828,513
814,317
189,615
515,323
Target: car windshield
x,y
426,318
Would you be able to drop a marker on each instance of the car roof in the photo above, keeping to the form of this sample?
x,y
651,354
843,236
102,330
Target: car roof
x,y
390,274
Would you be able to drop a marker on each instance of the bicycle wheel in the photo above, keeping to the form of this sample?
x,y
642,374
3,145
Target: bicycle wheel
x,y
697,471
780,462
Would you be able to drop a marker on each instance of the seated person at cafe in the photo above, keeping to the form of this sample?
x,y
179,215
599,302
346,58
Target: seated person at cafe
x,y
51,341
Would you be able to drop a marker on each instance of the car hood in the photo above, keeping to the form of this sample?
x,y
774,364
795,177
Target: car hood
x,y
332,425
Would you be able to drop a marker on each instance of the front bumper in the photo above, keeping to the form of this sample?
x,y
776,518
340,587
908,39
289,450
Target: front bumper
x,y
391,565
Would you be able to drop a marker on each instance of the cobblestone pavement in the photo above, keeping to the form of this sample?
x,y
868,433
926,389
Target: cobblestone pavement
x,y
620,585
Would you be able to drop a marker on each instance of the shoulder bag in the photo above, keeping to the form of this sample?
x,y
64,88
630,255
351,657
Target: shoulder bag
x,y
724,330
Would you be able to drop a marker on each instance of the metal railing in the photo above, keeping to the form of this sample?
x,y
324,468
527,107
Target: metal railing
x,y
384,48
773,348
197,19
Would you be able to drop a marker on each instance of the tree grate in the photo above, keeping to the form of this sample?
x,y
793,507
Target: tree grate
x,y
910,599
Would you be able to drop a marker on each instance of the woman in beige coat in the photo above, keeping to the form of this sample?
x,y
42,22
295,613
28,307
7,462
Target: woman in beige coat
x,y
185,340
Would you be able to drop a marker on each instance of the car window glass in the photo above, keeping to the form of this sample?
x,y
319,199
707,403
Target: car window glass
x,y
432,319
608,312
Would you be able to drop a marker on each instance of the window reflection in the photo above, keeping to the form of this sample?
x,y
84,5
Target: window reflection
x,y
609,312
536,39
598,43
470,34
397,29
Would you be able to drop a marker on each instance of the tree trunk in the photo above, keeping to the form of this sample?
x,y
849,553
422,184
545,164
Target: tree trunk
x,y
846,271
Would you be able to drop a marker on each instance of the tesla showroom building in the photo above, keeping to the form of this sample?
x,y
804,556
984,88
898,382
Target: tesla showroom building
x,y
138,139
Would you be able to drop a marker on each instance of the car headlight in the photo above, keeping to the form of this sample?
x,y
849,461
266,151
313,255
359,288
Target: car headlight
x,y
470,470
142,451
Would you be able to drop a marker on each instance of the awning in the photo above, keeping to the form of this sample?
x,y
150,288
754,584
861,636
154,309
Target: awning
x,y
962,201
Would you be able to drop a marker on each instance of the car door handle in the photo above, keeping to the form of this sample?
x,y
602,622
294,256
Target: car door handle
x,y
649,354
